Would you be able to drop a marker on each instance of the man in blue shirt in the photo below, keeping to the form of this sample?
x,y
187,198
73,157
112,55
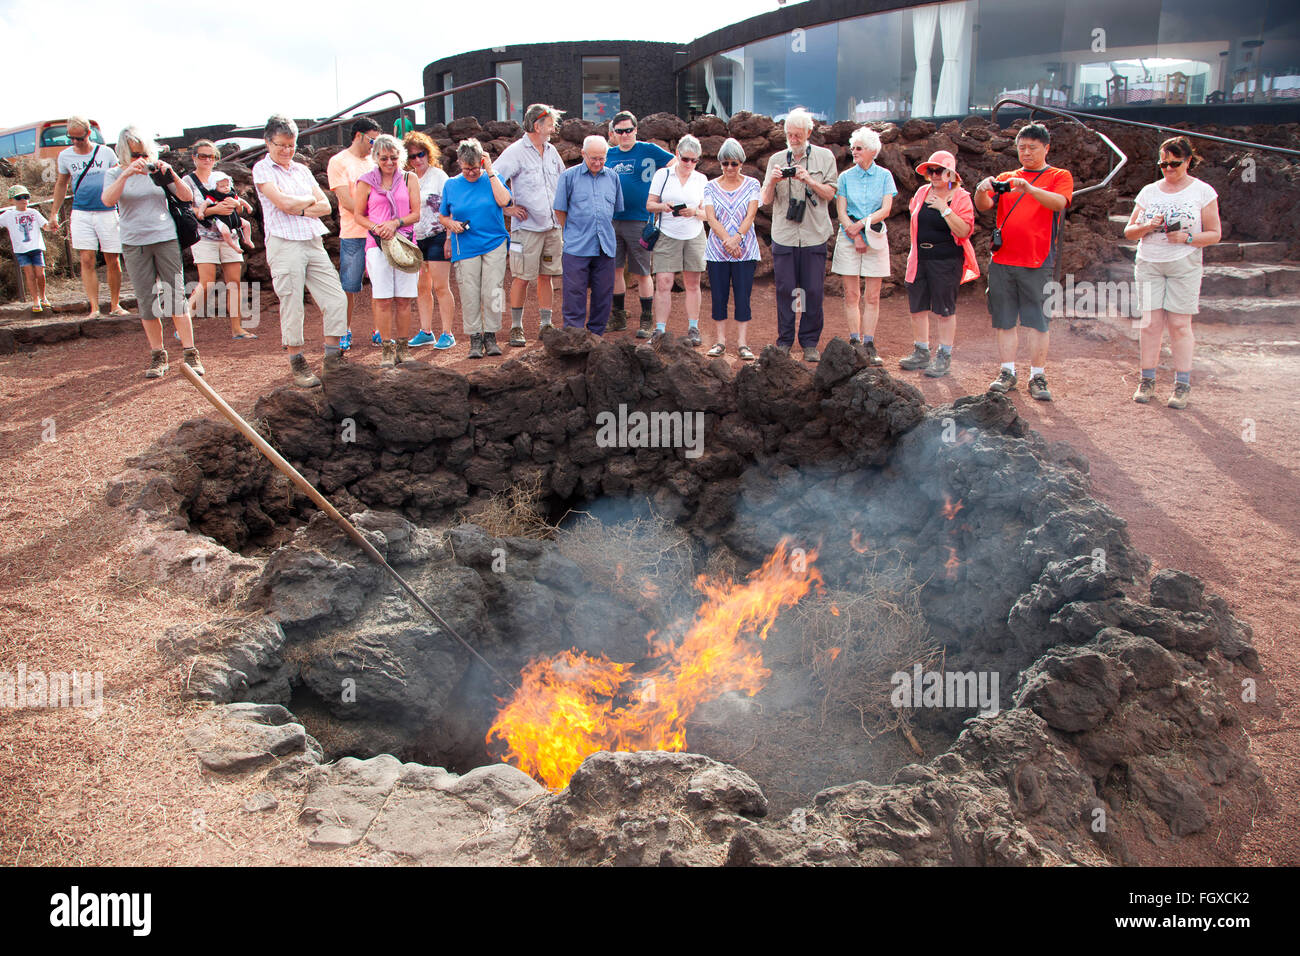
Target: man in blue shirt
x,y
587,199
635,163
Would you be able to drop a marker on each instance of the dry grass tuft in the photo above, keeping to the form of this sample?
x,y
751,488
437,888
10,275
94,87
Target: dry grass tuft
x,y
854,639
516,512
646,562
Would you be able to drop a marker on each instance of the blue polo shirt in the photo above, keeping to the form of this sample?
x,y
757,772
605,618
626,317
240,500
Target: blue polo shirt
x,y
589,202
474,203
865,189
635,168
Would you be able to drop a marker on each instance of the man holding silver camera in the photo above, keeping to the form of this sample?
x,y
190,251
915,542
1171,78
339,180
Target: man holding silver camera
x,y
1030,204
800,185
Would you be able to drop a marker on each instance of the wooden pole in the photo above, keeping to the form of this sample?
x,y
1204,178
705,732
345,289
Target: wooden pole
x,y
306,487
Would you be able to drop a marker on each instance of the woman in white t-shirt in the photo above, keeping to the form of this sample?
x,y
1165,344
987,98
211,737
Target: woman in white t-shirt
x,y
677,195
422,158
1173,218
211,251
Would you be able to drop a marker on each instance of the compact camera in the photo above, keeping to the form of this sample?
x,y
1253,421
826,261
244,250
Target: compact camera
x,y
789,172
999,187
995,239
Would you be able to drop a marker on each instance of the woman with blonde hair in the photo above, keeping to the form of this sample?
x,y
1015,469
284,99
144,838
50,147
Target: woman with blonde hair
x,y
149,243
422,158
211,252
386,201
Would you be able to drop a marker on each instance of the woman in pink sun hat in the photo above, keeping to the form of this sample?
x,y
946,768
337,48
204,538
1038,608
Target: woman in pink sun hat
x,y
941,258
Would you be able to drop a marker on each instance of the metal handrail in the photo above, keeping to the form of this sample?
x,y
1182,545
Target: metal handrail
x,y
1069,115
1074,114
333,121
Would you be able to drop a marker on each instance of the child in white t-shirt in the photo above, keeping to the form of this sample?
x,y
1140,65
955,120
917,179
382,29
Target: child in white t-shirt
x,y
24,226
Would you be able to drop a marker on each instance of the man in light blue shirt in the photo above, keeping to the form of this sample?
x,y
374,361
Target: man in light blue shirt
x,y
586,200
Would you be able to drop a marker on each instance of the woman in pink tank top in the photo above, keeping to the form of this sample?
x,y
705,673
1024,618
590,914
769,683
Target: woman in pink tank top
x,y
387,201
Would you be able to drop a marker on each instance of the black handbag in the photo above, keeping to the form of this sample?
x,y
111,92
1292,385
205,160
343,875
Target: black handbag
x,y
187,224
650,234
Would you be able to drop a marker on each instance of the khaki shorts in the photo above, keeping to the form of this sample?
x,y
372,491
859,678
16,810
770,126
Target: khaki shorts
x,y
214,252
680,255
536,253
847,261
1173,286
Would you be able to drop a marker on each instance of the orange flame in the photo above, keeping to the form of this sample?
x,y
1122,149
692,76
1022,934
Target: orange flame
x,y
952,564
572,705
949,509
835,652
857,543
835,610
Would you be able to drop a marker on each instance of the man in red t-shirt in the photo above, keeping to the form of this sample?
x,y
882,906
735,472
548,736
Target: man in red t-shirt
x,y
1029,216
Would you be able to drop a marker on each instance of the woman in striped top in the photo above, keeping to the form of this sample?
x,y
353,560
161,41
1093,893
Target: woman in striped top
x,y
730,205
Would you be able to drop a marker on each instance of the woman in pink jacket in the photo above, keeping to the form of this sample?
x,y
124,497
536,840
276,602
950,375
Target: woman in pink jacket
x,y
940,260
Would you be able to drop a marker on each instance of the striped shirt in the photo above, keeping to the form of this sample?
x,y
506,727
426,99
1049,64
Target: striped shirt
x,y
730,209
297,180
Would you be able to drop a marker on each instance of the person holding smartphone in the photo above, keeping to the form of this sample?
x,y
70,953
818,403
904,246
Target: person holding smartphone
x,y
471,213
677,193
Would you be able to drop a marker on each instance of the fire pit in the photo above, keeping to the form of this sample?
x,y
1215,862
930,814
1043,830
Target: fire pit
x,y
920,609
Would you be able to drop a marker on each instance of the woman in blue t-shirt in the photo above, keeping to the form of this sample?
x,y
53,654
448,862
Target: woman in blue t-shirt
x,y
471,213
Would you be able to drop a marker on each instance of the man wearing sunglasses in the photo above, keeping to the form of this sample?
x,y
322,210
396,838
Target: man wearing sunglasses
x,y
1028,218
93,227
344,169
635,163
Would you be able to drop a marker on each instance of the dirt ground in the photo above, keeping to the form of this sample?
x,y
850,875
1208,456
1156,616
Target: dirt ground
x,y
1210,490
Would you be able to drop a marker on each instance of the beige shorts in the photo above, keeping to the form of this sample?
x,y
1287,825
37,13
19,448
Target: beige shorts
x,y
847,261
214,252
1173,286
680,255
536,253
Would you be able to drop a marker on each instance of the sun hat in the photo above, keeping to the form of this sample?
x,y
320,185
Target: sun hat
x,y
402,253
940,157
17,192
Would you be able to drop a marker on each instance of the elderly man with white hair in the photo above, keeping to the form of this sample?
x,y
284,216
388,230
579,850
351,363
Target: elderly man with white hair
x,y
800,185
586,199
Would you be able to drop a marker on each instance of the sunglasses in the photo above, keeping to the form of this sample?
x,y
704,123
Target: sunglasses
x,y
688,159
625,130
857,149
417,154
731,162
1172,164
80,139
204,156
135,155
935,169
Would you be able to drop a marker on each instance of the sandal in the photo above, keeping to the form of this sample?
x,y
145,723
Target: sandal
x,y
120,311
745,353
244,335
717,350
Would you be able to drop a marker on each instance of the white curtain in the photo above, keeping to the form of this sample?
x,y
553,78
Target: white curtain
x,y
952,31
714,105
923,23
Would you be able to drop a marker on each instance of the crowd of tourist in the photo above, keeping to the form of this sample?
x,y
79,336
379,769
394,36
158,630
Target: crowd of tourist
x,y
628,209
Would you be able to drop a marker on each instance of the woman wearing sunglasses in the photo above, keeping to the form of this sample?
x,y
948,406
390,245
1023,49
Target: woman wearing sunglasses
x,y
211,251
423,158
730,205
677,196
1173,219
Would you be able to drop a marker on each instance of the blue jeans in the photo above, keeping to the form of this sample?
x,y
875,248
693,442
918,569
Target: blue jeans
x,y
352,263
728,275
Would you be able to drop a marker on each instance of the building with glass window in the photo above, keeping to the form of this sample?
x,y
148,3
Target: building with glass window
x,y
863,60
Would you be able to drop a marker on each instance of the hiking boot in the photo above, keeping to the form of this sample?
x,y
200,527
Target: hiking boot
x,y
476,345
1038,388
303,376
869,352
334,361
647,323
693,336
193,361
1146,391
389,358
516,338
783,349
1179,399
490,346
657,336
939,365
157,364
1004,383
919,358
811,355
404,352
617,320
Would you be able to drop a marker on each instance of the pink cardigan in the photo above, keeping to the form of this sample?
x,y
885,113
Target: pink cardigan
x,y
960,203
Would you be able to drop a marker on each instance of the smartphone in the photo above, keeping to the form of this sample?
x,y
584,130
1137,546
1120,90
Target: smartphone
x,y
677,209
1173,226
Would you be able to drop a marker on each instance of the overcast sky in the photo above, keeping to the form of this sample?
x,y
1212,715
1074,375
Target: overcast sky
x,y
165,66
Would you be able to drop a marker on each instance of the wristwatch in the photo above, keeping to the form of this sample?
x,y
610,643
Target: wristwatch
x,y
1188,242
